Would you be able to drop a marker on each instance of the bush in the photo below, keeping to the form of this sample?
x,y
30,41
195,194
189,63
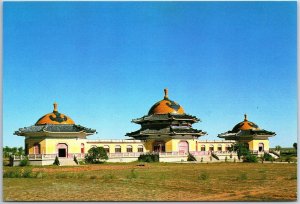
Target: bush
x,y
96,155
56,161
268,157
191,158
242,176
203,176
250,158
24,162
215,156
148,158
75,159
133,174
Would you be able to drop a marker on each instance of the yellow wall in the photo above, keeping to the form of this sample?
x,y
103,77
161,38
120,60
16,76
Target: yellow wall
x,y
49,145
253,145
112,146
215,145
74,145
30,144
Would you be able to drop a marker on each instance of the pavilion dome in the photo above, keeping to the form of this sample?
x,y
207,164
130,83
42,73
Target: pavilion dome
x,y
166,106
55,118
245,125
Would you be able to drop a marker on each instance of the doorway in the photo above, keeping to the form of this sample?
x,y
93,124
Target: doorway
x,y
62,150
183,147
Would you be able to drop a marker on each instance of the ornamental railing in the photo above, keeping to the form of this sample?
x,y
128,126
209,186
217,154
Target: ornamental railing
x,y
45,156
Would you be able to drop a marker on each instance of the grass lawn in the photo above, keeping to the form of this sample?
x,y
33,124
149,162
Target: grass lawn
x,y
154,182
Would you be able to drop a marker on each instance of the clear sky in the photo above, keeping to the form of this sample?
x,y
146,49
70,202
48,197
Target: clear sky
x,y
106,63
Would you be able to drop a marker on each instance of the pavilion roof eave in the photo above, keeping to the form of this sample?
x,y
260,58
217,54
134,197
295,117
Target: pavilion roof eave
x,y
80,134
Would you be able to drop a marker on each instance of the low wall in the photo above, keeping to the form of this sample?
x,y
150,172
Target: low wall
x,y
35,162
122,159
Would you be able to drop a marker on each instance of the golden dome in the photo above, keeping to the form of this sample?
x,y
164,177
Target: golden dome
x,y
55,118
166,106
245,125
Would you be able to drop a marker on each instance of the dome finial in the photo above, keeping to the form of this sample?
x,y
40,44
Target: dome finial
x,y
55,107
245,115
166,93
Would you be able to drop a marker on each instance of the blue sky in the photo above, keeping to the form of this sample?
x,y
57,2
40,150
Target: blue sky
x,y
106,63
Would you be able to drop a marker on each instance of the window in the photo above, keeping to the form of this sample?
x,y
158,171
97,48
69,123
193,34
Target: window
x,y
118,149
261,147
227,147
202,147
106,147
129,148
140,148
219,147
37,148
211,148
82,148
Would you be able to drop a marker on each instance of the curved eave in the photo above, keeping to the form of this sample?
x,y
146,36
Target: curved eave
x,y
80,134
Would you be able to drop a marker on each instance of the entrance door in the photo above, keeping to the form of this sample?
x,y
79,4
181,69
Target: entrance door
x,y
62,150
159,147
183,147
62,153
261,147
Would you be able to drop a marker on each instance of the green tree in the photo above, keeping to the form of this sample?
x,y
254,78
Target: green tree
x,y
278,148
295,146
96,155
244,153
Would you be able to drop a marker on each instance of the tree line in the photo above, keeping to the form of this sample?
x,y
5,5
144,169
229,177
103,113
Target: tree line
x,y
7,151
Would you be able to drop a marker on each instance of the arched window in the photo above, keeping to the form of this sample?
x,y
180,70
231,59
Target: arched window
x,y
129,148
202,147
261,147
227,147
159,146
82,148
118,149
219,147
106,147
37,148
140,148
211,147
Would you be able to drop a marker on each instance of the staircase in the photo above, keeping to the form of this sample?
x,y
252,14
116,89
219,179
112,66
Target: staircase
x,y
66,162
273,155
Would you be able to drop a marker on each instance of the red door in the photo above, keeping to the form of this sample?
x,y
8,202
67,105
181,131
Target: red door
x,y
183,147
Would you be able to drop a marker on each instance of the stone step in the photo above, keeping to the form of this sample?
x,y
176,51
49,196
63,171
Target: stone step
x,y
67,162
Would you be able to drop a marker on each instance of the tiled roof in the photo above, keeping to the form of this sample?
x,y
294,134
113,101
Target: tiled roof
x,y
54,128
166,131
169,116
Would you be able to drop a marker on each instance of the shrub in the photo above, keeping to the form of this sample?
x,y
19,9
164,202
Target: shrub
x,y
250,158
40,175
56,161
75,159
81,162
201,159
267,157
108,177
96,155
133,174
24,162
203,176
27,173
191,157
214,156
242,176
93,177
148,158
226,159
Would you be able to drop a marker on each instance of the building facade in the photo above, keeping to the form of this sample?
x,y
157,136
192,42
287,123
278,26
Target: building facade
x,y
166,130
